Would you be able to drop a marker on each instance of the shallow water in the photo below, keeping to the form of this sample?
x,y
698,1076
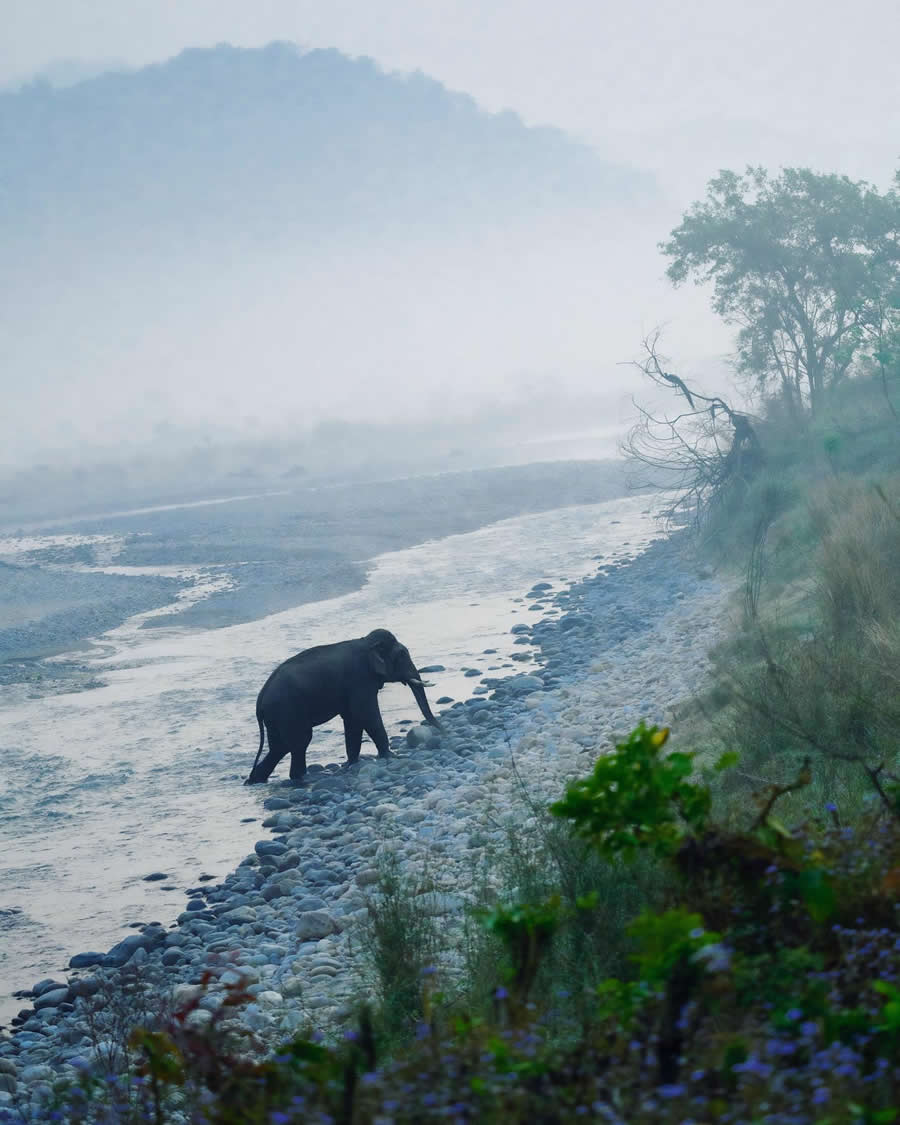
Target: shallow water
x,y
99,788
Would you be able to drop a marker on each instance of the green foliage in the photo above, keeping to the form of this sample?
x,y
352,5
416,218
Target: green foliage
x,y
620,1002
804,262
636,799
663,941
526,931
598,898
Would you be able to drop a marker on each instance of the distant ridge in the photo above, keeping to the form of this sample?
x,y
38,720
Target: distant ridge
x,y
274,140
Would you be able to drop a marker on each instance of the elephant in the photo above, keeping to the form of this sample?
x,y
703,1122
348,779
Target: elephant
x,y
337,679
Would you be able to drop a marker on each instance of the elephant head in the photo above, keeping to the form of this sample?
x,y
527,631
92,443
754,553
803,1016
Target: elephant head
x,y
391,662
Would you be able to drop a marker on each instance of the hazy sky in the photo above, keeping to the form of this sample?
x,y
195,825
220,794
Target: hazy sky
x,y
681,88
692,84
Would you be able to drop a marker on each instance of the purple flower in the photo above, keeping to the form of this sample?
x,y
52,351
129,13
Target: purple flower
x,y
831,806
673,1090
500,993
822,1095
753,1066
793,1014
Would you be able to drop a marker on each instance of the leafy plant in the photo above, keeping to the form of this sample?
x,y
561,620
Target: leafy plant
x,y
636,798
526,931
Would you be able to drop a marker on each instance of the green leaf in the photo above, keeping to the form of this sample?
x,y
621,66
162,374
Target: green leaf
x,y
637,798
817,893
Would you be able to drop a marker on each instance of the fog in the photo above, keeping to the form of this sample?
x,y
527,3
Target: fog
x,y
242,245
378,333
229,249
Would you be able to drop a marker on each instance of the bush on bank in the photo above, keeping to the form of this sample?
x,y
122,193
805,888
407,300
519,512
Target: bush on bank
x,y
766,987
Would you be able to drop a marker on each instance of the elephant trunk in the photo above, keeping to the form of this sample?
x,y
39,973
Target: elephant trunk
x,y
418,690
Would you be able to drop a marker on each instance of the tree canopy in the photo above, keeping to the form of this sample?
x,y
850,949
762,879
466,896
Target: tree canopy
x,y
807,265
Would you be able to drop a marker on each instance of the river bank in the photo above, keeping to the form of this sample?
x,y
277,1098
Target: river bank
x,y
143,771
626,643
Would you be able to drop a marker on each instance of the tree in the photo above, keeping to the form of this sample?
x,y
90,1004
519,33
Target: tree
x,y
805,264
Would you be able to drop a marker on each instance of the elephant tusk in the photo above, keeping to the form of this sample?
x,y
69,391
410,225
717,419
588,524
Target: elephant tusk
x,y
418,683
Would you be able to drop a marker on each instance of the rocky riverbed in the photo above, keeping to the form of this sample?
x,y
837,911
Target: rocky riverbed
x,y
628,643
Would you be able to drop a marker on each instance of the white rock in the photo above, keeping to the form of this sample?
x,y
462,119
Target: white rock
x,y
315,1002
269,999
314,924
440,902
40,1072
183,994
411,816
198,1018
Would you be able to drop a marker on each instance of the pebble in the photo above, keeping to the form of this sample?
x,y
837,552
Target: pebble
x,y
85,960
52,998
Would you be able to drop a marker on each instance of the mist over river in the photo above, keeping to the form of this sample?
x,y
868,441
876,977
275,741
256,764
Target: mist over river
x,y
127,758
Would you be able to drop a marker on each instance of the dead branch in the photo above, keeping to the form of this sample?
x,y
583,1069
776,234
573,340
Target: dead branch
x,y
694,454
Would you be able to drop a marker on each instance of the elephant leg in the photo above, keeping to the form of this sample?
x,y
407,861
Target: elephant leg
x,y
278,747
352,739
375,730
298,754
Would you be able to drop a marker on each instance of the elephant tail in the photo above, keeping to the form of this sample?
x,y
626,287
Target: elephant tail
x,y
262,741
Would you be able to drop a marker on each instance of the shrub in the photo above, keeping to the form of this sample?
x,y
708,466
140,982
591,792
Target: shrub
x,y
401,946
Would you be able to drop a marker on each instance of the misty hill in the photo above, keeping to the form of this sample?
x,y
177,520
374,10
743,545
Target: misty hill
x,y
266,140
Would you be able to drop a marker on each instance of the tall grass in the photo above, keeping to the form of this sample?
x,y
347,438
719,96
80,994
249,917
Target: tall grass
x,y
402,944
816,667
592,946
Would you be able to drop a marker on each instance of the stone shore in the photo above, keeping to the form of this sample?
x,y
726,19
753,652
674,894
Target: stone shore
x,y
629,643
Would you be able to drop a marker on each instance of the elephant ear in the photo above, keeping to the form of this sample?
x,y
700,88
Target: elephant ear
x,y
377,660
